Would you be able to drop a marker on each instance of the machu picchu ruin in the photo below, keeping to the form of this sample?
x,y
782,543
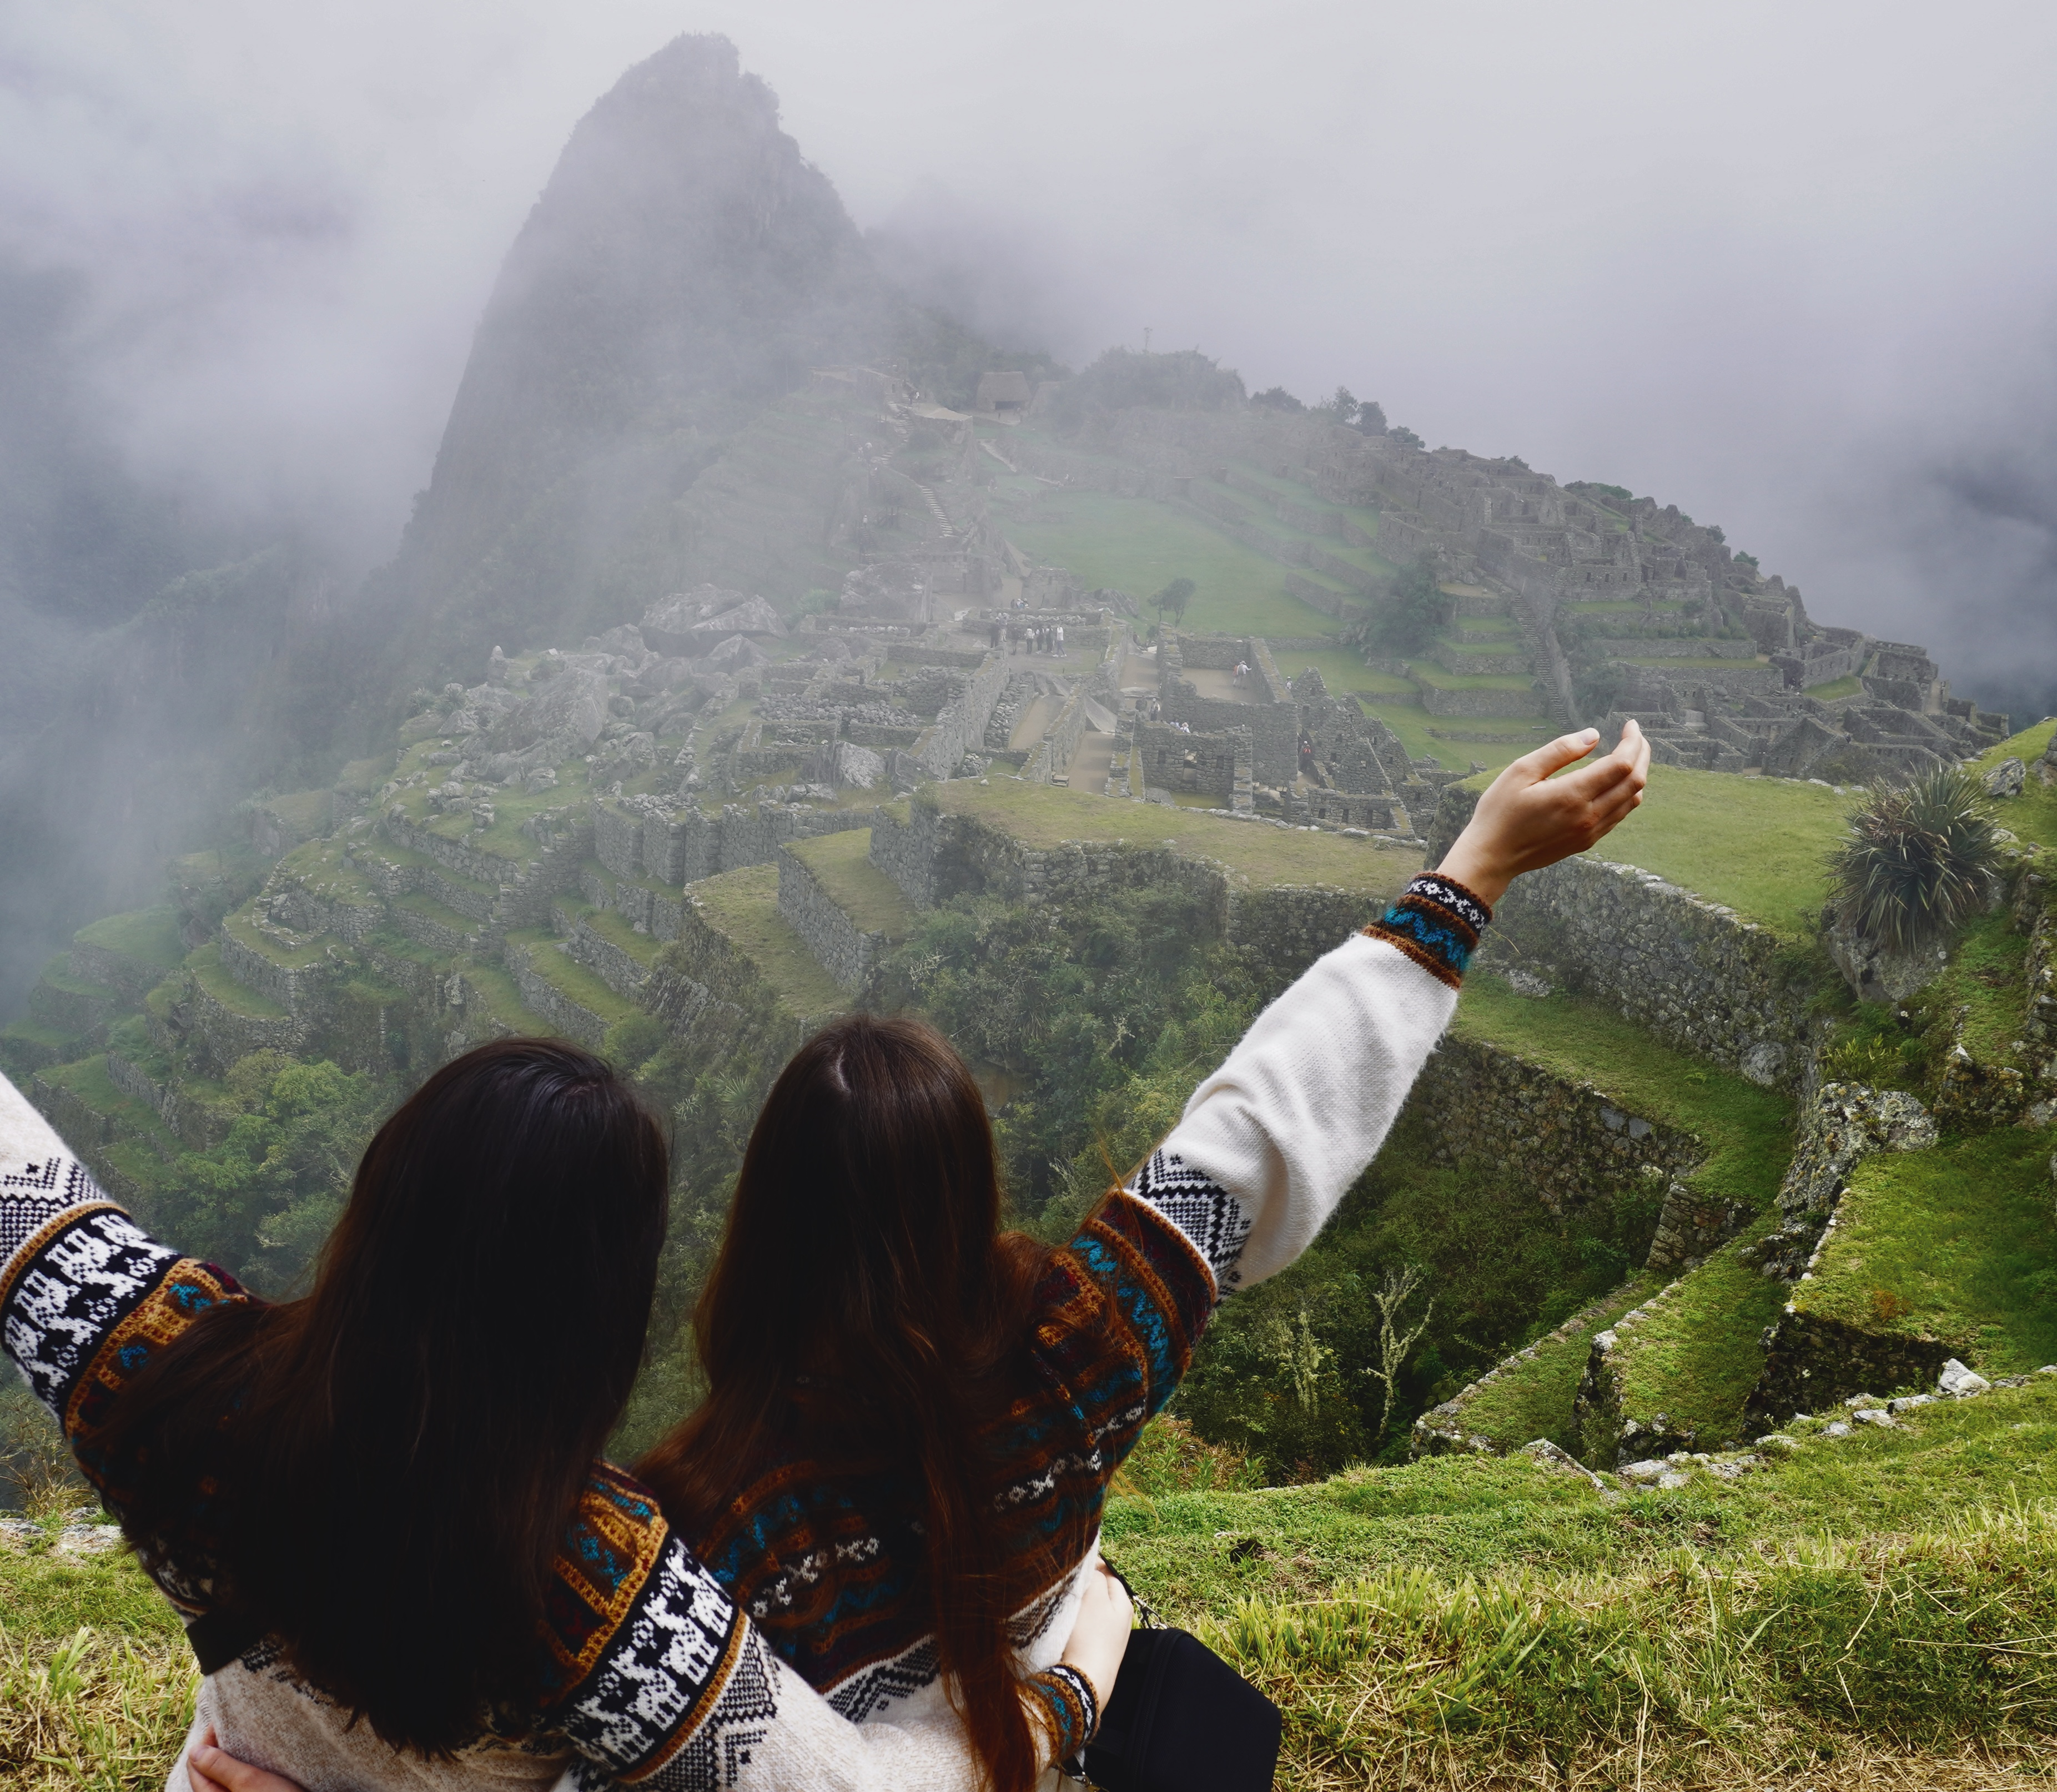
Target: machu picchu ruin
x,y
767,646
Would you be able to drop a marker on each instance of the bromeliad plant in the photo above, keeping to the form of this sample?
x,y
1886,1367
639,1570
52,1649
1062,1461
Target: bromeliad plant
x,y
1918,861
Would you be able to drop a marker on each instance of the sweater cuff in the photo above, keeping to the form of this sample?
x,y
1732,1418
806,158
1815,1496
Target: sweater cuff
x,y
1437,923
1069,1705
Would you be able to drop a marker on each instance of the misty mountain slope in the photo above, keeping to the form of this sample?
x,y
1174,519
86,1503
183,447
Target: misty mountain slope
x,y
140,694
684,267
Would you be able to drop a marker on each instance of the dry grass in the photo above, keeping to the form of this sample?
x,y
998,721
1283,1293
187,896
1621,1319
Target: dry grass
x,y
1910,1661
92,1712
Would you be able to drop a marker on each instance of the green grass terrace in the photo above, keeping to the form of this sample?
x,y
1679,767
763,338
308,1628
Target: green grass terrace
x,y
1255,853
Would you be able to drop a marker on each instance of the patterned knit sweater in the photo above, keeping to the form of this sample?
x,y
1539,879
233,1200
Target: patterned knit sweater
x,y
649,1672
820,1543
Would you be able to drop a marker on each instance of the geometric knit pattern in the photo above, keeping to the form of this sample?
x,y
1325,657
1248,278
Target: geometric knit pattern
x,y
31,1195
1437,923
1206,1213
821,1547
1078,1710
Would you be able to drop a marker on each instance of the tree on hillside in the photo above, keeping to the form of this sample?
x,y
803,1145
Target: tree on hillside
x,y
1277,397
1342,405
1370,417
1396,1337
264,1199
1405,437
1405,618
1173,597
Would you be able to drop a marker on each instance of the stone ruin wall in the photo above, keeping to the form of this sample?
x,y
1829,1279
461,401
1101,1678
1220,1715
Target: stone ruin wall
x,y
1218,757
840,947
1691,973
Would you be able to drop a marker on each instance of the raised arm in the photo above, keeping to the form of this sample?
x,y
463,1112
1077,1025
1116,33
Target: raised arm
x,y
1270,1144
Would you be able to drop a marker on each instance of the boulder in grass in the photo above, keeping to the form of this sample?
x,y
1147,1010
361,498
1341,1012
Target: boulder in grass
x,y
2007,778
1960,1383
733,654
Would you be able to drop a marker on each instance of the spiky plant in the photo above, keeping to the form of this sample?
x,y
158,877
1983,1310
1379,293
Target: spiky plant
x,y
1918,861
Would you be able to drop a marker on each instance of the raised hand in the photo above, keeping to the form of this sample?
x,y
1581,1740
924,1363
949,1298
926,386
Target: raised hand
x,y
1528,819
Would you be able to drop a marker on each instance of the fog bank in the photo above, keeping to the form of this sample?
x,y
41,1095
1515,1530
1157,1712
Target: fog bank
x,y
1790,269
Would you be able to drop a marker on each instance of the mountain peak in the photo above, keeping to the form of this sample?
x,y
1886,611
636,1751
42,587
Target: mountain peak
x,y
684,265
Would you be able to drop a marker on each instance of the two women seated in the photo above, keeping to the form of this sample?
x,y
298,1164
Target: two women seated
x,y
869,1557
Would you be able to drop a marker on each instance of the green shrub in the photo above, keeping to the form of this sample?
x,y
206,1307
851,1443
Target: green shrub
x,y
1918,862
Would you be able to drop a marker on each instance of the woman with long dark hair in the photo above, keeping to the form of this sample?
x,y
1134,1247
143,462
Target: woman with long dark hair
x,y
381,1509
912,1417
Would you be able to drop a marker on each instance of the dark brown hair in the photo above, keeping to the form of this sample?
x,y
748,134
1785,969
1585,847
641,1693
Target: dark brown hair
x,y
397,1455
864,1243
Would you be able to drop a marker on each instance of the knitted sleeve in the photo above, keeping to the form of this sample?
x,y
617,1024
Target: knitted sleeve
x,y
1269,1144
656,1678
1271,1141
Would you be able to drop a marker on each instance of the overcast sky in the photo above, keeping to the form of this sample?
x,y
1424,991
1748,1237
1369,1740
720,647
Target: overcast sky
x,y
1791,267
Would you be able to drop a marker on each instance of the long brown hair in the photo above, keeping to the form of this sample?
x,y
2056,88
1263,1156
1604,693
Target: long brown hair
x,y
864,1243
396,1455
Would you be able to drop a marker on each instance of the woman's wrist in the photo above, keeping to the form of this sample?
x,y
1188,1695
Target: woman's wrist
x,y
1476,869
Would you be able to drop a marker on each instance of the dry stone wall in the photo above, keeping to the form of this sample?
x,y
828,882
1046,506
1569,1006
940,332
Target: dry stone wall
x,y
1693,973
1567,1141
841,947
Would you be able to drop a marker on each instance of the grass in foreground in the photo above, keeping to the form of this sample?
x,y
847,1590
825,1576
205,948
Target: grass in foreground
x,y
1869,1612
1866,1612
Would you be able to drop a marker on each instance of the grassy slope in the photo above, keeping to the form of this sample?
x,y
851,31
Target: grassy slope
x,y
2032,814
840,864
1986,982
1859,1598
1395,701
1954,1243
1535,1400
148,936
1046,815
205,965
744,906
1697,1354
1140,546
1757,844
1746,1129
1854,1603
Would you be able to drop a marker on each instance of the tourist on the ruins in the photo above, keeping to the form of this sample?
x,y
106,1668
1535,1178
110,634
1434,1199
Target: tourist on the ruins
x,y
379,1507
1059,636
912,1417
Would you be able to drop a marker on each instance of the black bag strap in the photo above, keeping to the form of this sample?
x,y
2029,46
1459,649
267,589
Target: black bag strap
x,y
1142,1608
219,1638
